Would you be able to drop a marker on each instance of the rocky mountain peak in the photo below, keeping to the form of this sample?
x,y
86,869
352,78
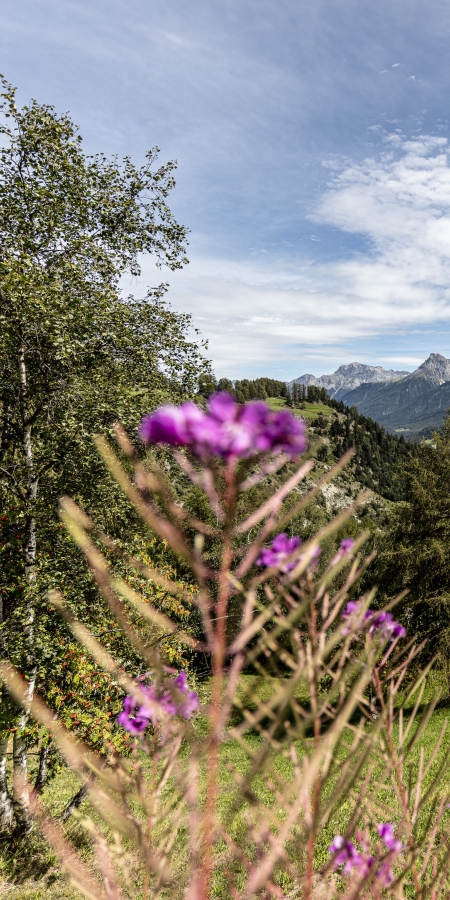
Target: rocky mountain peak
x,y
438,366
355,368
348,377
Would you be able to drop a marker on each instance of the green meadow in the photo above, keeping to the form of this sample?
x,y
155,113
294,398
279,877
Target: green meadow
x,y
35,873
311,410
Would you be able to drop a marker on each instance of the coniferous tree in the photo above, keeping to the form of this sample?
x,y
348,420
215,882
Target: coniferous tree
x,y
414,553
224,384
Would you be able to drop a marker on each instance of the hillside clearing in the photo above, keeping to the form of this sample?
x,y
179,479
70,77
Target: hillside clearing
x,y
311,410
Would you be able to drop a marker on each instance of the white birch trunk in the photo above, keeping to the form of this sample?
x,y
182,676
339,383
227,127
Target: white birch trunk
x,y
20,752
7,818
41,776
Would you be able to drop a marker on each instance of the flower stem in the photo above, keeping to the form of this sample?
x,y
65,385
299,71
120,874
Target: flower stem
x,y
218,661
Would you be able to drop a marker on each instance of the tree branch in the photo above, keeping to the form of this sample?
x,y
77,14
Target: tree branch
x,y
16,487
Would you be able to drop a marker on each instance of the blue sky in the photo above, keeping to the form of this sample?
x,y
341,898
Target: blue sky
x,y
313,161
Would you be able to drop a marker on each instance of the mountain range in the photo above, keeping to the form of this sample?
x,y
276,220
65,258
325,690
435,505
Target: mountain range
x,y
346,378
408,403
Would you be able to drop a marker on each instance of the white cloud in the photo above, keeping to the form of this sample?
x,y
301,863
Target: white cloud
x,y
262,311
410,361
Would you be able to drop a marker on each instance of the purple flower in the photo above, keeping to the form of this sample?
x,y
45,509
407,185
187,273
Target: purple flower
x,y
190,702
378,623
345,547
238,426
346,854
227,429
180,682
223,406
385,874
189,705
386,832
354,610
352,607
336,844
172,425
347,544
281,548
136,716
168,704
385,626
254,428
285,433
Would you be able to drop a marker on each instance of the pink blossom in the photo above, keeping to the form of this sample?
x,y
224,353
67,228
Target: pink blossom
x,y
380,623
172,425
347,854
190,703
281,548
136,716
132,716
386,626
345,547
386,832
226,429
347,544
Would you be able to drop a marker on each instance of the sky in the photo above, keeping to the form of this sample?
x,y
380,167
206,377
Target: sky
x,y
313,150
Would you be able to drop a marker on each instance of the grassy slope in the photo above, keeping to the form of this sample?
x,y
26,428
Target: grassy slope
x,y
36,877
311,410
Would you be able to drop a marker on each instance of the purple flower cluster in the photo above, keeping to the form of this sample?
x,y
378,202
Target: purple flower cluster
x,y
386,832
345,547
226,430
176,700
282,547
347,854
380,623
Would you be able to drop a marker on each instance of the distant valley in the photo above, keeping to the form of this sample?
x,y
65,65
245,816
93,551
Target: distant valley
x,y
408,403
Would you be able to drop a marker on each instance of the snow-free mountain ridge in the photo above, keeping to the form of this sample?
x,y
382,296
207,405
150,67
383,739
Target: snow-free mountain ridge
x,y
411,405
408,403
348,377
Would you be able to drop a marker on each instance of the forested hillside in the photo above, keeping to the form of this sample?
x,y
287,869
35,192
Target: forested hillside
x,y
414,547
245,389
379,455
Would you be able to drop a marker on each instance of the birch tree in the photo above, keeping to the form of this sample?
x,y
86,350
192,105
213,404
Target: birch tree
x,y
70,226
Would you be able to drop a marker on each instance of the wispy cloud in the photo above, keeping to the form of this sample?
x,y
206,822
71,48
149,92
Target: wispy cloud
x,y
400,203
250,99
409,361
